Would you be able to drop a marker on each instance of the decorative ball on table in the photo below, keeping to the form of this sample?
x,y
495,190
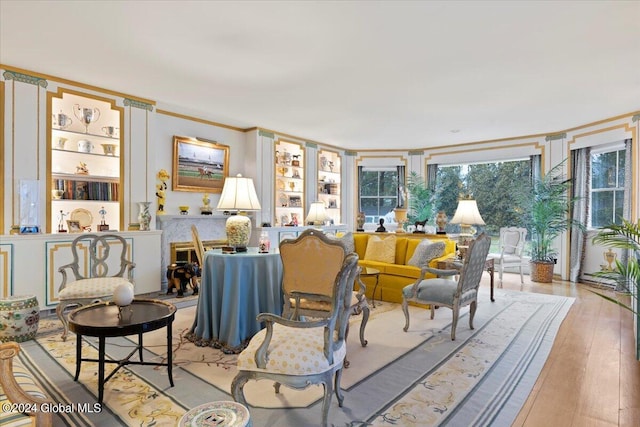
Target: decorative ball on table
x,y
123,296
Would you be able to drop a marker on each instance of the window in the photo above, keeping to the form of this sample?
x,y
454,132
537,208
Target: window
x,y
378,193
607,187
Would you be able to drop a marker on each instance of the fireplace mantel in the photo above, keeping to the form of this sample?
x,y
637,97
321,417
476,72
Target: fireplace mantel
x,y
177,228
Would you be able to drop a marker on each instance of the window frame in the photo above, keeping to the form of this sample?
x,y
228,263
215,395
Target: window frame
x,y
620,150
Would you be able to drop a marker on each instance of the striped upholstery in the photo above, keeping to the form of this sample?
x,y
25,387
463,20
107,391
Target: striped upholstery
x,y
27,383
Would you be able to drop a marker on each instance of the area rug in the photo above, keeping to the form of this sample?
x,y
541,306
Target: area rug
x,y
417,378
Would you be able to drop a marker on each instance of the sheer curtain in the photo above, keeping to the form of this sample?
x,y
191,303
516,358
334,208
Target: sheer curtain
x,y
581,188
432,173
402,202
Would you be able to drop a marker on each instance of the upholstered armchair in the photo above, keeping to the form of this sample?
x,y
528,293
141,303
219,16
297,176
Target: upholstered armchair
x,y
512,241
444,292
298,353
310,264
93,251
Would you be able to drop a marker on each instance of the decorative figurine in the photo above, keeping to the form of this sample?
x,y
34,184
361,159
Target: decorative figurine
x,y
103,226
82,169
381,229
441,220
206,207
61,228
360,219
161,189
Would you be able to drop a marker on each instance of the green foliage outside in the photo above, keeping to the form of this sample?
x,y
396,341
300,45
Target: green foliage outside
x,y
498,188
420,199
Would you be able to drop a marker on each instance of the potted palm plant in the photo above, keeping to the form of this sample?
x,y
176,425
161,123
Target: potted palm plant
x,y
625,274
548,216
420,198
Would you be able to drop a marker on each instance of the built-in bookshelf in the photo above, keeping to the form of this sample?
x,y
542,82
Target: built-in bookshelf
x,y
289,184
329,183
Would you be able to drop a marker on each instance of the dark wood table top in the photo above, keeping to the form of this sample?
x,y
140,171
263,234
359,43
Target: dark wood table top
x,y
102,320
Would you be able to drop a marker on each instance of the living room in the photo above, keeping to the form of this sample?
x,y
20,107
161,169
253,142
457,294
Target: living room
x,y
143,114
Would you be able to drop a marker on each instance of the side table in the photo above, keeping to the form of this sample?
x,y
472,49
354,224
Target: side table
x,y
106,319
372,272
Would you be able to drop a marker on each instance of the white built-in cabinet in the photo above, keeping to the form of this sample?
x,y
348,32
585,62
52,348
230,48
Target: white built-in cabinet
x,y
85,163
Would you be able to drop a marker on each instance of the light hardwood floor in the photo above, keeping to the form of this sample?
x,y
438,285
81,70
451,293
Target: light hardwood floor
x,y
591,377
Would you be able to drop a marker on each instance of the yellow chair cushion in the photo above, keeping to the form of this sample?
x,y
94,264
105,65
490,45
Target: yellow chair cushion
x,y
96,287
292,351
382,250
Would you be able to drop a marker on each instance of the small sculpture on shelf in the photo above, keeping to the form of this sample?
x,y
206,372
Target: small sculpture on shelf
x,y
441,220
381,228
82,169
360,219
206,205
163,177
103,226
61,228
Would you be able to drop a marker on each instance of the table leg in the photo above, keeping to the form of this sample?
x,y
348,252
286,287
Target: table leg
x,y
491,270
140,346
78,356
170,351
373,295
101,350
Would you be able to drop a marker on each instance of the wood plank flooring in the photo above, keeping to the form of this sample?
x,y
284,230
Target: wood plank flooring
x,y
591,377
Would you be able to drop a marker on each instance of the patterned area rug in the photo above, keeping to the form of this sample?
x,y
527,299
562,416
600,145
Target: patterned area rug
x,y
416,378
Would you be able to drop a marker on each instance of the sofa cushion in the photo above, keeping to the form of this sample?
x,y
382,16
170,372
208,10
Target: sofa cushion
x,y
347,240
383,250
360,240
425,252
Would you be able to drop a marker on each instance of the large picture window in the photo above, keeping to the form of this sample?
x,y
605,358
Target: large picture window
x,y
607,187
378,193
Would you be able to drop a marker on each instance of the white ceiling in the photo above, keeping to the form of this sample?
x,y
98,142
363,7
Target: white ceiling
x,y
355,74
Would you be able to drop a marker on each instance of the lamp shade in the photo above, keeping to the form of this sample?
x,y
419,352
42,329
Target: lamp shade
x,y
466,215
317,214
238,195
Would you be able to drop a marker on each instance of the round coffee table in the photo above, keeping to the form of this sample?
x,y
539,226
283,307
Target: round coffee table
x,y
106,319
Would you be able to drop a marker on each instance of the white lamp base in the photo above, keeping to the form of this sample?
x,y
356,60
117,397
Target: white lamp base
x,y
238,229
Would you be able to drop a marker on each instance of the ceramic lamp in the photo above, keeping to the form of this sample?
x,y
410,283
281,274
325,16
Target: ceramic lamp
x,y
238,196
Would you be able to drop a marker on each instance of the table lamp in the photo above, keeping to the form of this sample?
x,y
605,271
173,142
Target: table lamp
x,y
466,215
317,214
238,196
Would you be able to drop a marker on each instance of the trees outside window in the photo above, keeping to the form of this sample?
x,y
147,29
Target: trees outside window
x,y
607,187
497,188
378,193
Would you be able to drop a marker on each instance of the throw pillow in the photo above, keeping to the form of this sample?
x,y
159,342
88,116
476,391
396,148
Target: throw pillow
x,y
347,241
381,250
425,252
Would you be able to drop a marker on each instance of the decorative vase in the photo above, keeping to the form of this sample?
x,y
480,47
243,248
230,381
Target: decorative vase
x,y
144,217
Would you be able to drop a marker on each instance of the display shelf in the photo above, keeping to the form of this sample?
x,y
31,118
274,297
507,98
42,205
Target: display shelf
x,y
329,183
289,198
89,141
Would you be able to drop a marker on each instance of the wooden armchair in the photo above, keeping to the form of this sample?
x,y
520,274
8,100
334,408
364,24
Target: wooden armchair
x,y
285,351
17,387
93,250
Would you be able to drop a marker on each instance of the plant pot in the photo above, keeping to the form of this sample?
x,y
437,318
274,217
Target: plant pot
x,y
541,271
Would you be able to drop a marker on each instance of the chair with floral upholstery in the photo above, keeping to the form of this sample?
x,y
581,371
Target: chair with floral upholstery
x,y
93,252
444,292
275,352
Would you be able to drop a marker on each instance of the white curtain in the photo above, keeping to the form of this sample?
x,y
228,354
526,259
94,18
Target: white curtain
x,y
581,187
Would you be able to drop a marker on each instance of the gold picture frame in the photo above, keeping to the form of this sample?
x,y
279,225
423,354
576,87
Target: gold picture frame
x,y
74,226
199,165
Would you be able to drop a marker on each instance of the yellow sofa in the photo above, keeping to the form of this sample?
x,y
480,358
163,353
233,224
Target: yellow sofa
x,y
394,277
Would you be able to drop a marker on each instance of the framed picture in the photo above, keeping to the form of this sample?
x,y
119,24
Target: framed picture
x,y
74,226
199,165
295,201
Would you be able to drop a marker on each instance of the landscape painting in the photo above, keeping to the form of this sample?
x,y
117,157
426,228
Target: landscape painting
x,y
199,165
